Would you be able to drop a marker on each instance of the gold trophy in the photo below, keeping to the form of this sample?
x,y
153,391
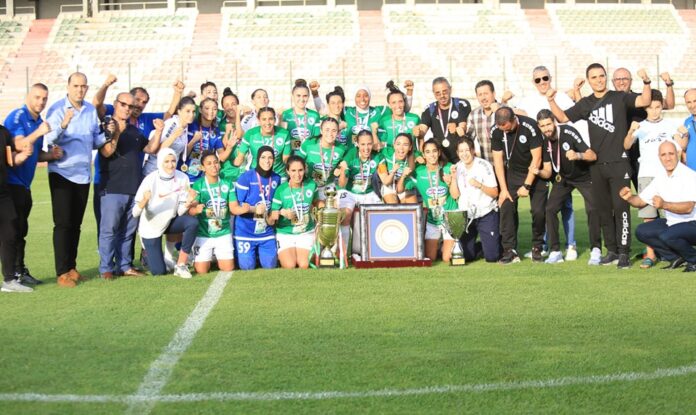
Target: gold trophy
x,y
328,221
455,223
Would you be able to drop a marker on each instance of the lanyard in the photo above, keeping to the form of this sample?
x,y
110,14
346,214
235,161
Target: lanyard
x,y
297,123
323,162
435,186
443,125
517,134
298,212
262,192
556,167
358,122
364,172
215,200
393,128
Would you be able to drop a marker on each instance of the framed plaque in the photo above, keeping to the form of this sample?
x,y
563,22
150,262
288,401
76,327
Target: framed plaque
x,y
392,235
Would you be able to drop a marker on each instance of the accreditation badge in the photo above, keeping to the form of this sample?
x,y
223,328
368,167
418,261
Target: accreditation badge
x,y
259,225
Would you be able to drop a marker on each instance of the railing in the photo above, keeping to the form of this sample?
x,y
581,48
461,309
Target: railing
x,y
143,5
66,8
234,3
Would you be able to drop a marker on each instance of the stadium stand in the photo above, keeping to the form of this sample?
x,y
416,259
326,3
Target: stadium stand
x,y
270,46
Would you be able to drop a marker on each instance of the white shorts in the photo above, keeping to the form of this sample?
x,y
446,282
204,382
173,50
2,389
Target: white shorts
x,y
389,190
436,232
222,247
348,200
301,241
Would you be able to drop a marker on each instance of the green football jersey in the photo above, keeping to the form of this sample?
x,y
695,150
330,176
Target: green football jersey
x,y
299,200
360,172
433,190
389,128
214,221
301,126
344,137
388,161
253,140
358,121
321,162
229,171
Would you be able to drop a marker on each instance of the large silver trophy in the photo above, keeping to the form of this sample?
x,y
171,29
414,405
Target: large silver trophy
x,y
328,227
455,223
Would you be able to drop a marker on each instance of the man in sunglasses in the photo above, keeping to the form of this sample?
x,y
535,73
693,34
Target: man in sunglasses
x,y
606,112
139,118
120,168
533,103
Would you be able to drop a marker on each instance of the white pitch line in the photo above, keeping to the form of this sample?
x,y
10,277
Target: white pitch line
x,y
317,396
161,369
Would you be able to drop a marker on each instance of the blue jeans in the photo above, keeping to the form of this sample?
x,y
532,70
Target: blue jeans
x,y
669,242
117,230
187,225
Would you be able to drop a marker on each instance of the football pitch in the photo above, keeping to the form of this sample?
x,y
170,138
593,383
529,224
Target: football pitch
x,y
483,338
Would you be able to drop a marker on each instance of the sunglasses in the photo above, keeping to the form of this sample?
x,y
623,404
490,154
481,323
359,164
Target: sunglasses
x,y
544,78
126,105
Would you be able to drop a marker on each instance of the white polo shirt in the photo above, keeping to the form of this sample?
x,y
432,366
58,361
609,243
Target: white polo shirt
x,y
471,199
679,187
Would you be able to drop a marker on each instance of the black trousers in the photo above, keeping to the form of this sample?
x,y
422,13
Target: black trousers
x,y
557,197
21,197
69,201
8,249
509,218
614,213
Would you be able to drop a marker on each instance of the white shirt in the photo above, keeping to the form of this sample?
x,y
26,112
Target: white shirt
x,y
473,200
179,145
679,187
168,199
650,135
534,103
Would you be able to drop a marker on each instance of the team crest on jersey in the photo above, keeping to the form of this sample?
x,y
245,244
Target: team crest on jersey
x,y
279,141
356,129
224,188
523,139
373,164
566,146
308,193
310,121
273,184
410,124
455,114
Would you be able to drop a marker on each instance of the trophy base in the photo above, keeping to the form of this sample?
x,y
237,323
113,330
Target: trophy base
x,y
327,263
403,263
457,262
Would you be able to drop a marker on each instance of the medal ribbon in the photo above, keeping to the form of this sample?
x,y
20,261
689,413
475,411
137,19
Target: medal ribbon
x,y
215,200
443,125
323,162
298,212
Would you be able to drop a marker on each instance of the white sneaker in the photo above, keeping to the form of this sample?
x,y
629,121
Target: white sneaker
x,y
182,271
595,256
15,286
169,263
555,257
571,253
544,252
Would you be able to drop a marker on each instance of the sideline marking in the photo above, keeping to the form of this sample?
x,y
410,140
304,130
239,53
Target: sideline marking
x,y
316,396
161,369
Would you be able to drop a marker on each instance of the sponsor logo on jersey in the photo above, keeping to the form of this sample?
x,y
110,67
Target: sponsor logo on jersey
x,y
603,117
436,192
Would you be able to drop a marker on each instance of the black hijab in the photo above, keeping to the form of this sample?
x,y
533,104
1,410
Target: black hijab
x,y
259,170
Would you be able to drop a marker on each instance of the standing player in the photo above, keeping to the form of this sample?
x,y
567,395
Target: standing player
x,y
605,112
266,134
389,126
323,157
299,120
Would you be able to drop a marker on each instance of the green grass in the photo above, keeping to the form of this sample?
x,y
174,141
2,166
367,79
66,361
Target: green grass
x,y
354,331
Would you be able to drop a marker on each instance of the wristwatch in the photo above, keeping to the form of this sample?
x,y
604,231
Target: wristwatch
x,y
527,186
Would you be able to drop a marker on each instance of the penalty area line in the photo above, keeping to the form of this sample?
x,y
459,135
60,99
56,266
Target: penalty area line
x,y
147,401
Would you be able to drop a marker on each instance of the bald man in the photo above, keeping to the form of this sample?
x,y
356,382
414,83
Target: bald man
x,y
674,236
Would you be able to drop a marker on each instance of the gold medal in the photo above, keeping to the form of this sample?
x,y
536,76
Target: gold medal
x,y
558,178
184,168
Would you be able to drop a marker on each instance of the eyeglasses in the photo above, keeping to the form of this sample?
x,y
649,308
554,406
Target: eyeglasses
x,y
126,104
544,78
622,79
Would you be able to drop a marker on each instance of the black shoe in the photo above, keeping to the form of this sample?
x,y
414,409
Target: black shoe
x,y
26,278
609,259
690,268
675,264
536,255
624,262
509,257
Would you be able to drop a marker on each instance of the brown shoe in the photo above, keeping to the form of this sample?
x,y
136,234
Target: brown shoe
x,y
76,276
133,273
64,280
108,276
